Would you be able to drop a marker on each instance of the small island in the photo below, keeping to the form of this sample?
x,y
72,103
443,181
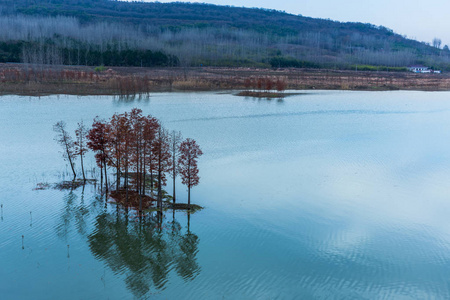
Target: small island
x,y
142,154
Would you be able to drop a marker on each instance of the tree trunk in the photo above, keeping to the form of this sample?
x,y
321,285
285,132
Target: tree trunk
x,y
189,222
71,163
142,181
159,179
106,176
174,174
82,167
145,178
138,171
174,189
126,182
189,186
159,190
101,178
73,170
118,175
151,179
126,170
189,198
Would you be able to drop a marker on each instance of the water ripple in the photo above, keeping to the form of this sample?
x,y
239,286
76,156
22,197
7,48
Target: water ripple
x,y
312,113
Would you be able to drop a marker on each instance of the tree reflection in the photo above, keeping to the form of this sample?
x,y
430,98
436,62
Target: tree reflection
x,y
144,251
67,215
187,266
74,212
147,251
130,98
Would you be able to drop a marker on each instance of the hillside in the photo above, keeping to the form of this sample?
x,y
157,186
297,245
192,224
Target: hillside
x,y
94,32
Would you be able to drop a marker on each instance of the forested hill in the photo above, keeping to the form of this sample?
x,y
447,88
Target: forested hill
x,y
188,14
168,34
173,15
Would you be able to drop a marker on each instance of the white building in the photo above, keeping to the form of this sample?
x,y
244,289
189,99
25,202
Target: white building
x,y
422,69
419,69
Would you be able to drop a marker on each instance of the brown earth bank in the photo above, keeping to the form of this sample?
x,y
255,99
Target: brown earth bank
x,y
132,200
38,80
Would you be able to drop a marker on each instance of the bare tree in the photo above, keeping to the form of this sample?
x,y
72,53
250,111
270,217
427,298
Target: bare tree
x,y
81,144
65,140
161,148
437,43
175,141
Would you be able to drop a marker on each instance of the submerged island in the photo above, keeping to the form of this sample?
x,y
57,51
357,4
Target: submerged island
x,y
142,154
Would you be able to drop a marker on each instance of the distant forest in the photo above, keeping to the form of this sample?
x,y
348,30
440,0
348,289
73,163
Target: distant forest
x,y
115,33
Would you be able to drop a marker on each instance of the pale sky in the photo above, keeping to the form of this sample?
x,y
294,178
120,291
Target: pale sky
x,y
418,19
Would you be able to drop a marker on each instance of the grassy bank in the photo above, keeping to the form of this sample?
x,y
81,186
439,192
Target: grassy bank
x,y
22,79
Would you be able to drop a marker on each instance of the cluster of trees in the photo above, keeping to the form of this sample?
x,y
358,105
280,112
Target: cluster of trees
x,y
92,32
135,146
265,83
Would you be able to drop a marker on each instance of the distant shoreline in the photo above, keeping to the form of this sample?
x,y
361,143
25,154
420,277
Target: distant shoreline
x,y
32,80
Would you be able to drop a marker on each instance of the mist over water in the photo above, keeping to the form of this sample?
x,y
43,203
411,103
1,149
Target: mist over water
x,y
327,194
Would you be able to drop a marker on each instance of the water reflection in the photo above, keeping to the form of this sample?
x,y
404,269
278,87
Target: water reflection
x,y
130,98
278,100
143,251
76,213
67,214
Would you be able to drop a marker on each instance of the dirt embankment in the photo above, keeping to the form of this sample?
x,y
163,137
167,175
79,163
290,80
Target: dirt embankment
x,y
22,79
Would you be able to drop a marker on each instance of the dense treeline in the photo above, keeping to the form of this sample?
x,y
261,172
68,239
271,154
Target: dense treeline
x,y
10,51
89,32
289,62
93,56
48,53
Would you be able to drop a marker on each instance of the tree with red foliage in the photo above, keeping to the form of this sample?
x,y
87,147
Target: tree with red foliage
x,y
136,131
118,134
99,142
268,84
281,85
161,149
143,133
150,130
187,163
65,140
259,83
247,83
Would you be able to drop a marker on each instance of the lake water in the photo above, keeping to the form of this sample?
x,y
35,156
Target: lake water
x,y
323,195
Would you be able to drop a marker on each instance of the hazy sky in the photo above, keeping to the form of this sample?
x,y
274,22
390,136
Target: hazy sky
x,y
418,19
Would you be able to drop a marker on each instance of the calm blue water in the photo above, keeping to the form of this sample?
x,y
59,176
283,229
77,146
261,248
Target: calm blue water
x,y
323,195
